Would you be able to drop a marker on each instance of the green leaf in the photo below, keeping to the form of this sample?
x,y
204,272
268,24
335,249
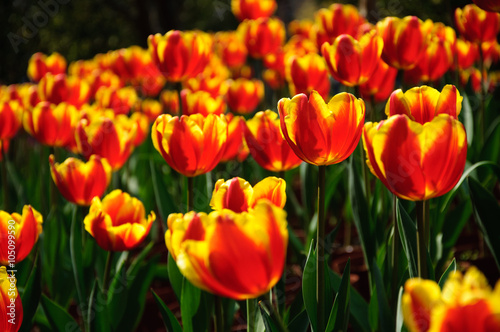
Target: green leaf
x,y
118,292
451,268
97,315
190,302
58,318
491,147
339,316
134,266
468,119
486,211
408,235
175,276
31,296
171,323
385,316
270,325
164,200
299,323
399,311
75,245
309,286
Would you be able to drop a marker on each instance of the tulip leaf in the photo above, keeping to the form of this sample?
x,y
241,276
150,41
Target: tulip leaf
x,y
491,148
134,266
385,316
171,323
408,235
486,212
190,302
75,247
31,296
269,324
339,316
468,119
59,319
164,200
299,323
117,292
98,314
175,276
451,268
309,286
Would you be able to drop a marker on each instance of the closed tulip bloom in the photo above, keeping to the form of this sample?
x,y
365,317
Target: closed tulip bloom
x,y
319,133
230,48
215,85
118,222
23,230
61,88
262,36
404,41
477,25
40,64
252,246
252,9
152,108
381,83
11,115
244,95
239,196
78,181
103,79
12,317
201,102
141,122
351,62
302,28
52,125
266,144
119,100
307,73
191,145
488,5
236,147
170,101
466,53
179,54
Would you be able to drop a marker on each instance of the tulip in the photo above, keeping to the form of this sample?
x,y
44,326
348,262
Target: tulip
x,y
231,49
118,222
192,145
239,196
474,76
244,95
83,68
179,55
214,84
381,83
103,79
120,100
139,121
79,182
262,36
351,62
236,147
152,108
61,88
250,245
319,133
21,230
488,5
11,115
302,28
12,317
273,78
266,144
477,25
170,101
466,303
467,53
40,64
252,9
404,41
307,73
201,102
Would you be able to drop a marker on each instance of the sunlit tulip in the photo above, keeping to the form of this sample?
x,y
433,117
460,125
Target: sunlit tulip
x,y
40,64
61,88
109,138
201,102
170,101
191,145
307,73
477,25
244,95
83,68
78,181
230,48
252,9
299,46
152,108
381,83
11,306
118,222
21,230
119,100
466,303
466,53
266,144
141,122
489,5
238,195
236,147
262,36
302,28
52,125
319,133
250,245
11,115
404,41
106,79
179,54
491,52
215,85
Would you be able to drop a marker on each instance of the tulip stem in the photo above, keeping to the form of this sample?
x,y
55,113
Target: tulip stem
x,y
4,178
251,313
320,252
107,270
395,250
219,314
422,238
190,193
483,94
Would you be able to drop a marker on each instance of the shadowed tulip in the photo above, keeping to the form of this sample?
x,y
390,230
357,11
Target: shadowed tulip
x,y
252,9
477,25
40,64
11,306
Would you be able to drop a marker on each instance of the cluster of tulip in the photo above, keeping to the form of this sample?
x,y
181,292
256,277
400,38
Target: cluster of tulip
x,y
214,111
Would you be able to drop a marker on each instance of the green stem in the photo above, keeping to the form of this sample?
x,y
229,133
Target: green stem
x,y
365,171
264,303
219,314
320,252
107,270
483,94
6,206
53,188
190,193
251,314
396,247
422,236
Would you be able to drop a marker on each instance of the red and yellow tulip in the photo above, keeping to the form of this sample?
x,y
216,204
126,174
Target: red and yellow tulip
x,y
252,9
170,102
236,147
201,102
244,95
306,73
11,307
381,83
230,48
119,100
262,36
41,64
466,53
152,108
477,25
61,88
488,5
11,116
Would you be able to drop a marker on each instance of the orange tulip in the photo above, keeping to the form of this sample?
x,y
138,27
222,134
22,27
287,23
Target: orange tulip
x,y
18,234
239,196
170,101
307,73
201,102
236,147
262,36
381,83
52,125
192,145
118,222
404,41
466,303
320,133
231,49
40,64
477,25
79,182
488,5
244,95
179,55
119,100
266,144
252,9
11,307
61,88
250,245
419,152
11,115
